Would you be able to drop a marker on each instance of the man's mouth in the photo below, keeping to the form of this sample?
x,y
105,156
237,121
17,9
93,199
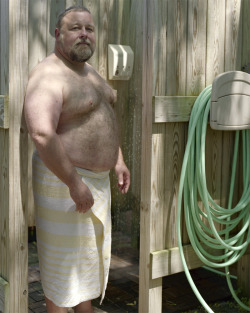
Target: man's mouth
x,y
83,43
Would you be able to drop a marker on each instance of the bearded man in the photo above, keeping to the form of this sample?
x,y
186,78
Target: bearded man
x,y
69,115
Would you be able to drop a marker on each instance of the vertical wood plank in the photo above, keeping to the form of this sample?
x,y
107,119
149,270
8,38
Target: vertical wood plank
x,y
4,203
243,274
215,65
233,57
196,46
70,3
150,299
158,130
55,7
103,37
160,48
177,25
4,140
245,32
18,229
176,53
4,48
233,40
215,39
37,32
157,187
94,7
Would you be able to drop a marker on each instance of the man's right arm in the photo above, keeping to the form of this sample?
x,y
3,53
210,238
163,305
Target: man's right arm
x,y
42,109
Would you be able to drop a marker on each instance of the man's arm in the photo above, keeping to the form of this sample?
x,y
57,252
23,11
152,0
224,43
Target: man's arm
x,y
42,109
123,174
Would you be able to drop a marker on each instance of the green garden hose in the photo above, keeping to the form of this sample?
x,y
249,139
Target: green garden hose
x,y
231,241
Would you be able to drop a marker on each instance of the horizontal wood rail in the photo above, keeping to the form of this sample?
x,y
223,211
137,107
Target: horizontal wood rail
x,y
172,108
168,262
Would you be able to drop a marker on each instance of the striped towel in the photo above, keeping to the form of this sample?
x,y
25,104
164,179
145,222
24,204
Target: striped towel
x,y
74,249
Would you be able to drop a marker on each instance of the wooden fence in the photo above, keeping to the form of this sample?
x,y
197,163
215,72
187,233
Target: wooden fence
x,y
188,44
179,47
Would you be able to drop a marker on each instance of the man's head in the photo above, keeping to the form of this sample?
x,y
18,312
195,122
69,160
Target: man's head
x,y
73,8
75,34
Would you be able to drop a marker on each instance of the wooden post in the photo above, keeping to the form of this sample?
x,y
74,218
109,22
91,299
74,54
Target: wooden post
x,y
243,273
150,291
13,226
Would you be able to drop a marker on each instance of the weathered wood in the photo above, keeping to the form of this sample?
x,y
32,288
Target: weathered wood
x,y
172,108
176,48
150,292
175,133
215,39
196,46
243,274
4,142
168,262
245,33
94,7
214,65
4,112
103,38
4,295
233,40
4,47
18,228
54,8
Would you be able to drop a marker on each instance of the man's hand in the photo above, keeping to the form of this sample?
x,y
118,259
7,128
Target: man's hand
x,y
123,176
82,197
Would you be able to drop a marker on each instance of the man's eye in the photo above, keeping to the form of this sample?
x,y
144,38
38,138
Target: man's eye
x,y
75,28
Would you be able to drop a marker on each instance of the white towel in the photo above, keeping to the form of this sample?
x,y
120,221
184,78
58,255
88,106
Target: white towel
x,y
74,249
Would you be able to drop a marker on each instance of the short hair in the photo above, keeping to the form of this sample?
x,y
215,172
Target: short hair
x,y
73,8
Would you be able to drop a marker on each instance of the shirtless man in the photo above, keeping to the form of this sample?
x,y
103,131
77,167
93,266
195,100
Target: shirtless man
x,y
70,119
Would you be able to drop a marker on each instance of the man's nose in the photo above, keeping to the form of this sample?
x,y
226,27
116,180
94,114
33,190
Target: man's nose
x,y
83,33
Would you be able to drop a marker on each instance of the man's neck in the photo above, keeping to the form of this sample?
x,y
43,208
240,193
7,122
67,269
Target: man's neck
x,y
75,66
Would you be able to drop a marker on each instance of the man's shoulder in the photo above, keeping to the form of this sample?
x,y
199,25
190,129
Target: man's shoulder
x,y
46,70
49,64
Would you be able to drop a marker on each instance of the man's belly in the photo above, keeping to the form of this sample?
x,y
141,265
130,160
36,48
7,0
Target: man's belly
x,y
96,151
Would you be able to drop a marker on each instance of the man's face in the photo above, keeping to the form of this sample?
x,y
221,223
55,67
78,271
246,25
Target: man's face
x,y
76,38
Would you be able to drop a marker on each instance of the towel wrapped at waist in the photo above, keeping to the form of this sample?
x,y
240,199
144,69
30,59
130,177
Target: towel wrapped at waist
x,y
74,249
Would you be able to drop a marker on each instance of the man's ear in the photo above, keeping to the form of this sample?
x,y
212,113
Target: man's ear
x,y
57,33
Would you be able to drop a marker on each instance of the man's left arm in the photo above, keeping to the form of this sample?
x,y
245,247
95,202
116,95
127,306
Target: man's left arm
x,y
122,173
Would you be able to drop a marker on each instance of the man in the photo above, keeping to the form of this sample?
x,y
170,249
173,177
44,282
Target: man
x,y
70,119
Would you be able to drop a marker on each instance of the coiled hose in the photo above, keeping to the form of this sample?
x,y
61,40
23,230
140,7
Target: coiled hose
x,y
232,240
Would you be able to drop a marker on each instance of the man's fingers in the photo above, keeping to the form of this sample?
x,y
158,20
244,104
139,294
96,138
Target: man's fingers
x,y
84,207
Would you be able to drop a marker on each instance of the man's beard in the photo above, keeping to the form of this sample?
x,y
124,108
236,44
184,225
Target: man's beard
x,y
81,52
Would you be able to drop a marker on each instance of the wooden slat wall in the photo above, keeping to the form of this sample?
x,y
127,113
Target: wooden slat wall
x,y
13,191
202,40
194,41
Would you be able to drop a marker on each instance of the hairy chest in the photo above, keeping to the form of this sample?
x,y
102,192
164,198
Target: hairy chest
x,y
82,95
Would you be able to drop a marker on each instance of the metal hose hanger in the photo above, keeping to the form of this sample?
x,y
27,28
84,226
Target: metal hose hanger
x,y
230,242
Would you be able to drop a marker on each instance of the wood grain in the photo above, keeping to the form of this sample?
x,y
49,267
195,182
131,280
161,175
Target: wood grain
x,y
18,228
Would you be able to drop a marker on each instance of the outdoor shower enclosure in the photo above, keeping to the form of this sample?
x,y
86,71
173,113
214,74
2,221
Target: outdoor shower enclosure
x,y
180,46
